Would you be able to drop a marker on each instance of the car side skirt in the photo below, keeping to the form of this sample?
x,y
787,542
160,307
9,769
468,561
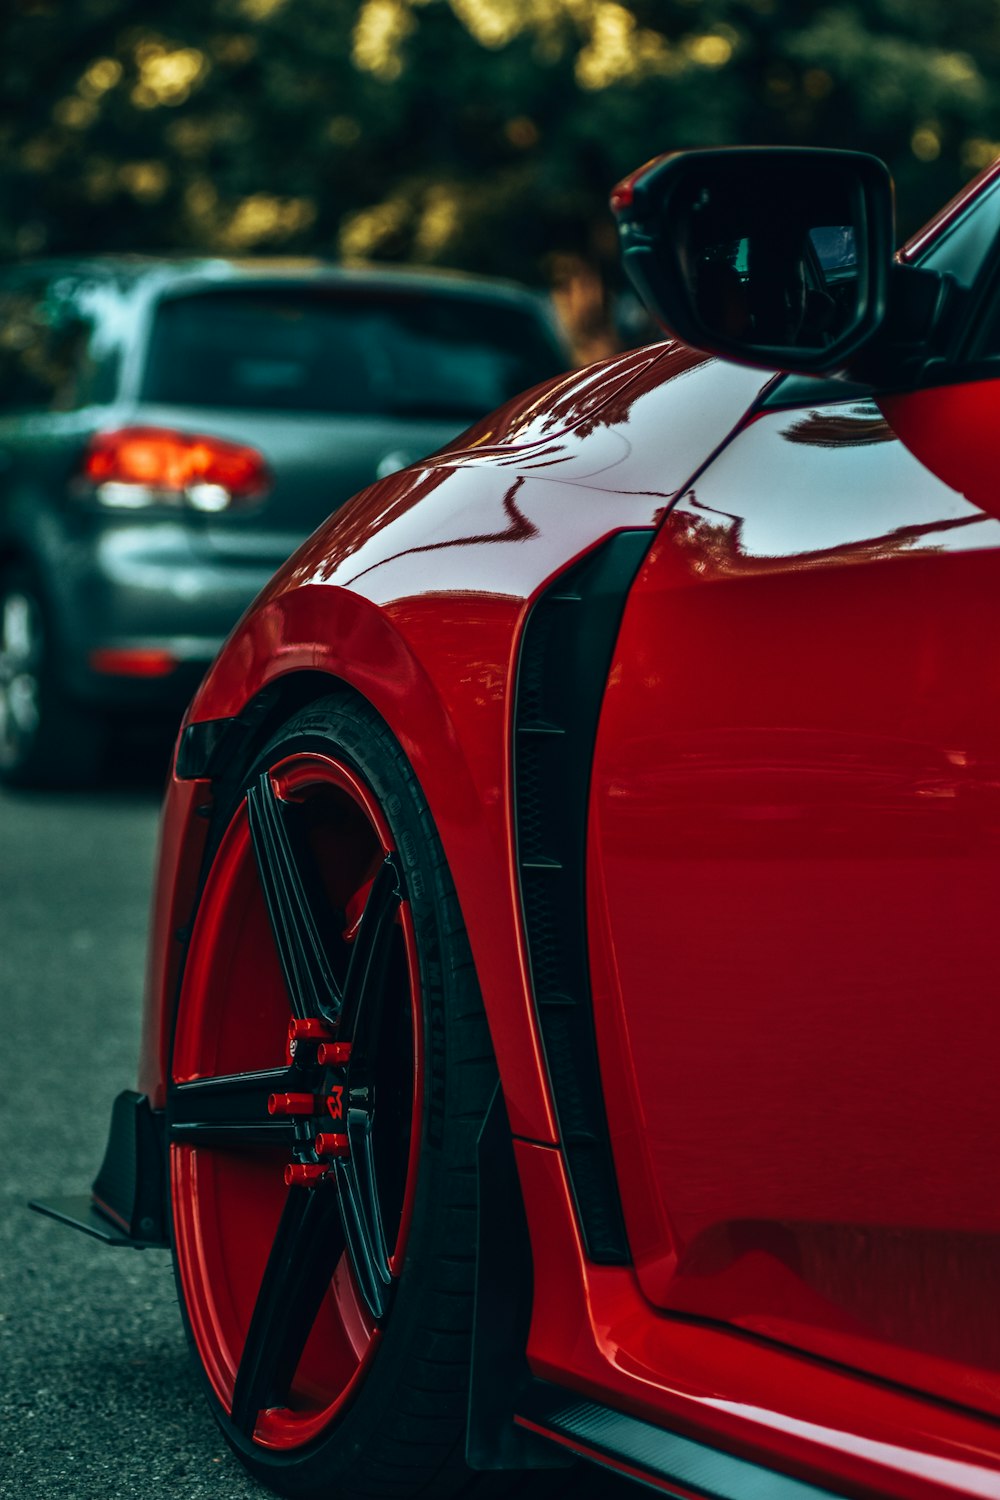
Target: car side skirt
x,y
665,1461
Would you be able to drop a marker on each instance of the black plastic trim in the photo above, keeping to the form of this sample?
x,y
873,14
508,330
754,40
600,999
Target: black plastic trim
x,y
127,1204
502,1311
564,660
791,392
661,1458
77,1211
202,748
219,748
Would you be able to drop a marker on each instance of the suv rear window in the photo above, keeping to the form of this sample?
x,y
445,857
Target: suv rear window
x,y
401,353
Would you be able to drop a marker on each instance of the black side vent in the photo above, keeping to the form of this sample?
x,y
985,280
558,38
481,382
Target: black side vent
x,y
564,661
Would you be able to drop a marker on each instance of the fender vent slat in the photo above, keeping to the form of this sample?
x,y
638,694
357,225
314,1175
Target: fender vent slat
x,y
565,656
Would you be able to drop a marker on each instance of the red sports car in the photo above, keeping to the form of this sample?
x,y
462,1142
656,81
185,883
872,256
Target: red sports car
x,y
573,1014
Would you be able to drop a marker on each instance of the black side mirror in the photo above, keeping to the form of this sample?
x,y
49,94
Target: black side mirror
x,y
771,256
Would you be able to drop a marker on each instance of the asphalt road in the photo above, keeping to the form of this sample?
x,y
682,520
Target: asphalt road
x,y
98,1399
97,1396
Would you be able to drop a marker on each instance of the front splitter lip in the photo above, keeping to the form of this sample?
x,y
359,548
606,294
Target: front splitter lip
x,y
81,1211
126,1205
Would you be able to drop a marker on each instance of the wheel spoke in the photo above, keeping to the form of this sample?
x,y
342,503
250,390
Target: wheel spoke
x,y
361,1020
361,1217
307,1246
232,1110
364,986
293,898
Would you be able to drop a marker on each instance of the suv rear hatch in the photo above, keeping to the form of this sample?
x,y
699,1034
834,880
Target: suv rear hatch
x,y
334,386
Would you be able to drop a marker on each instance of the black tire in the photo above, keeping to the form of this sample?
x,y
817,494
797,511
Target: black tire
x,y
45,740
402,1431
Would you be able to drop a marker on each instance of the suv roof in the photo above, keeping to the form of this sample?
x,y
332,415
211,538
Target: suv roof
x,y
127,271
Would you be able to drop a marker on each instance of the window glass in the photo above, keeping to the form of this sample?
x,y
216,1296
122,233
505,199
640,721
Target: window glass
x,y
105,317
835,246
357,351
963,248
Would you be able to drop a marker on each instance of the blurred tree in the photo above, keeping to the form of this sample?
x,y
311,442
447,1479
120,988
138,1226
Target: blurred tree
x,y
476,133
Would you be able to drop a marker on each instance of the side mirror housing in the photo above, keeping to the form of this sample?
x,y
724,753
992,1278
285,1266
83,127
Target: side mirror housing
x,y
769,256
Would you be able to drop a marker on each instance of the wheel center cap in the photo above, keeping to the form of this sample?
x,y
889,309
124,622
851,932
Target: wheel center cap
x,y
321,1114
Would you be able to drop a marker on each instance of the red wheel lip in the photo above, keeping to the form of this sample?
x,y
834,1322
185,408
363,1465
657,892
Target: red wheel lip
x,y
282,1428
278,1428
295,774
233,849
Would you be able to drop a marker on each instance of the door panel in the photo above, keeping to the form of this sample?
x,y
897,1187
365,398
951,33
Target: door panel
x,y
794,859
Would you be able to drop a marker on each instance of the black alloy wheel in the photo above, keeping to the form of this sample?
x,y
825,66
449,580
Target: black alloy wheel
x,y
331,1070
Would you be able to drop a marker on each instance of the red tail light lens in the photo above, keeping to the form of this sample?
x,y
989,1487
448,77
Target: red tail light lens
x,y
137,661
138,467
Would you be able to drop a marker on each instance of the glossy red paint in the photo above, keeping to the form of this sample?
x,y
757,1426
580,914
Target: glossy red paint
x,y
792,871
427,629
594,1332
952,430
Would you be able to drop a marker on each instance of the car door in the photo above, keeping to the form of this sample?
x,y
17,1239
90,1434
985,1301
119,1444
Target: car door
x,y
794,865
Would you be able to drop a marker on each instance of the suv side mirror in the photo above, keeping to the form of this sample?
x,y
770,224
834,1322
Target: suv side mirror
x,y
770,256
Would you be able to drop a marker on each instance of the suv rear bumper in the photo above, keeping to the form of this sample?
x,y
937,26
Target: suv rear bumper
x,y
138,611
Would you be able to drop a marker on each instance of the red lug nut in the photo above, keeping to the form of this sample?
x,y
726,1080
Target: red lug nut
x,y
333,1054
291,1104
304,1173
304,1028
308,1026
332,1145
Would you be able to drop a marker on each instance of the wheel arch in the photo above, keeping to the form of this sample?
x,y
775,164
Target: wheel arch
x,y
261,678
303,641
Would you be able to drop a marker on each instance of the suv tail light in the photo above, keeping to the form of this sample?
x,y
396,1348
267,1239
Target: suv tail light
x,y
139,467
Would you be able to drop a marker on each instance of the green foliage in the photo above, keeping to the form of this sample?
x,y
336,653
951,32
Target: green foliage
x,y
477,133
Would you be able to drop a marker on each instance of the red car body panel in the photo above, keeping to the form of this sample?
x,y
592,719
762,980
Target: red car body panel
x,y
802,864
593,1330
792,857
427,630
